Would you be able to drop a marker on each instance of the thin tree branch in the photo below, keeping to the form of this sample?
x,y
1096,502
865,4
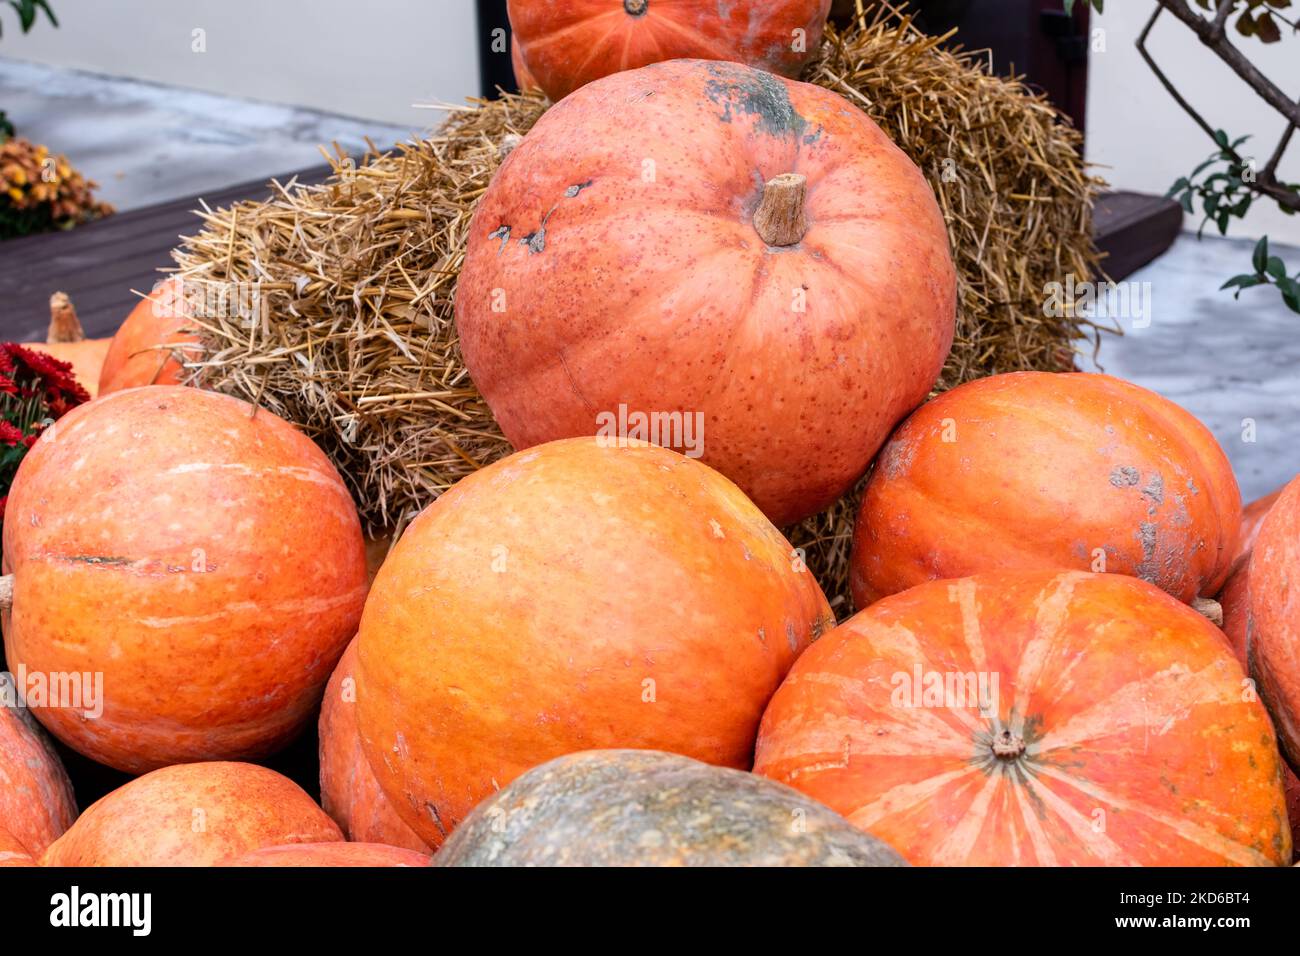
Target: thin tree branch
x,y
1221,16
1229,54
1266,182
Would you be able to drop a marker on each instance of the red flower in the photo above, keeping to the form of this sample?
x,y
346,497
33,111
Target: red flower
x,y
10,434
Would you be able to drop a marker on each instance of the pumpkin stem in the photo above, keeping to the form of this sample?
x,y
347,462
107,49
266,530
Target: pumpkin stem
x,y
1210,608
6,592
1008,746
64,324
635,8
780,219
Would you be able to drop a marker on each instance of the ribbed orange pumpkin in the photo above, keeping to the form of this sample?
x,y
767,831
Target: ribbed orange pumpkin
x,y
13,852
571,597
144,350
1040,470
349,791
1235,602
36,801
206,561
1274,637
198,814
331,855
568,43
524,79
1117,730
778,281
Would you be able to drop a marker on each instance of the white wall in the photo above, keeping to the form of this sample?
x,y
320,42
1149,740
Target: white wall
x,y
1136,128
365,58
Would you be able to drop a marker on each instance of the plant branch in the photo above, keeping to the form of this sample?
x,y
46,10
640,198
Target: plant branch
x,y
1229,54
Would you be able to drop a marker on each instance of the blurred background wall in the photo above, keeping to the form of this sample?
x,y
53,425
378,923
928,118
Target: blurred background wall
x,y
370,60
1146,142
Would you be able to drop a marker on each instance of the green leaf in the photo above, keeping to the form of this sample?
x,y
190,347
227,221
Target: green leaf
x,y
1245,281
1260,258
1221,138
1277,269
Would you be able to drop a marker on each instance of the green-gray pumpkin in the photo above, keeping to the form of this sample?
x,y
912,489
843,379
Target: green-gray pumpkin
x,y
648,808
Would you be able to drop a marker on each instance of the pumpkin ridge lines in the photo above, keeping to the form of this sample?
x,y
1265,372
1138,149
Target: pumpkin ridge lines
x,y
1203,837
961,839
1098,843
1174,690
1025,800
1052,609
903,797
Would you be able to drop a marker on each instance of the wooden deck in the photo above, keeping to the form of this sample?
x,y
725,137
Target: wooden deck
x,y
99,264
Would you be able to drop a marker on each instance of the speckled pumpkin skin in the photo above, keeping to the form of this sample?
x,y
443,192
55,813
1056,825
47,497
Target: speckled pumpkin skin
x,y
573,597
647,808
1033,470
1235,601
615,287
36,800
198,814
568,43
1141,747
1274,636
13,852
133,359
208,562
348,789
331,855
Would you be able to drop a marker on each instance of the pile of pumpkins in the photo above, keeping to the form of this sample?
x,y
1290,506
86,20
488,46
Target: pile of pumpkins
x,y
599,651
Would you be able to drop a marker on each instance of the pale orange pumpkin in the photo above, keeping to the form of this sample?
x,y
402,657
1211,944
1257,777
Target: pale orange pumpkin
x,y
771,290
349,791
569,597
1034,718
198,814
205,560
331,855
148,348
1274,623
1040,470
13,852
570,43
66,341
36,800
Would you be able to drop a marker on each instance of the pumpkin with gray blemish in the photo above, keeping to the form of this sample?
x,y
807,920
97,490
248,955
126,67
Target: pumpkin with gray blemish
x,y
560,45
699,238
648,808
1037,470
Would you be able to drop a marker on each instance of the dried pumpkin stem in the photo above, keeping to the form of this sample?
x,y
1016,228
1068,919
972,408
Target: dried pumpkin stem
x,y
1211,608
780,219
6,592
635,8
64,324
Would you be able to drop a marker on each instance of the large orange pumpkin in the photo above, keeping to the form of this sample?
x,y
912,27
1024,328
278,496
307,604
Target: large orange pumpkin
x,y
571,597
568,43
349,791
198,814
1034,718
1274,635
206,561
13,852
1252,516
145,349
66,341
36,801
1041,469
1234,599
331,855
717,259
